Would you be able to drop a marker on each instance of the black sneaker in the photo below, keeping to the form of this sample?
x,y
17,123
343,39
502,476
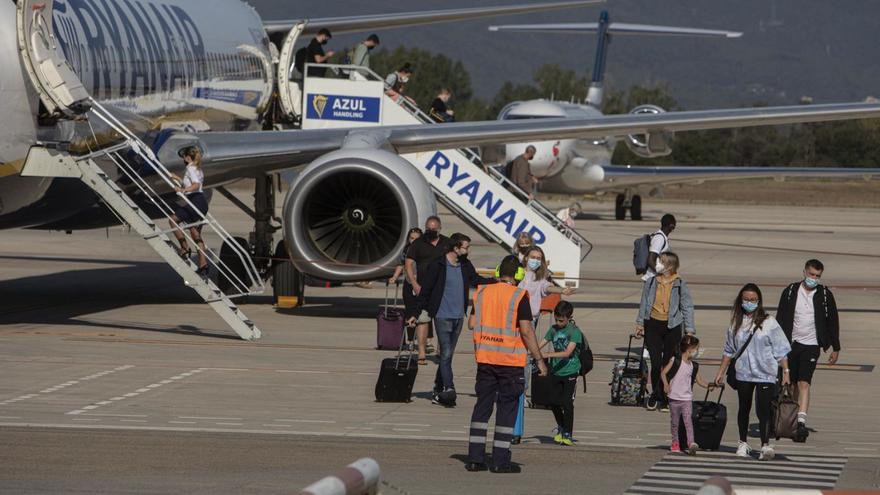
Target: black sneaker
x,y
506,469
435,399
476,466
802,433
516,440
651,403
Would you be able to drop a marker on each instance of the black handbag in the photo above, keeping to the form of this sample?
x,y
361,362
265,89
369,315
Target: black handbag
x,y
731,368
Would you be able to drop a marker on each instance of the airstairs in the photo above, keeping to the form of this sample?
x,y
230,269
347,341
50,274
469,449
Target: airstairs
x,y
126,169
480,195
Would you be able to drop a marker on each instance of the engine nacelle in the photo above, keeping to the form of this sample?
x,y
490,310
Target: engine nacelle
x,y
653,144
347,214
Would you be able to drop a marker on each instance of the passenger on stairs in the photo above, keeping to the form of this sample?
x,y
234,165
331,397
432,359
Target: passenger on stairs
x,y
396,82
521,172
440,110
194,211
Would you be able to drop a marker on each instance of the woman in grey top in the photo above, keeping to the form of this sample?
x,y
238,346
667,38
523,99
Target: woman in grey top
x,y
757,366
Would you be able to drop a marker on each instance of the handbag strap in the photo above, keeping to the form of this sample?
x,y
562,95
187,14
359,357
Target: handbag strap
x,y
749,341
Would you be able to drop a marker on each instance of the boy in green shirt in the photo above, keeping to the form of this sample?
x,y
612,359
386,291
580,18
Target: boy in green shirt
x,y
565,337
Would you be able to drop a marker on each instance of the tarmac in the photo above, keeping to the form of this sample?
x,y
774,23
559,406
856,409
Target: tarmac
x,y
118,379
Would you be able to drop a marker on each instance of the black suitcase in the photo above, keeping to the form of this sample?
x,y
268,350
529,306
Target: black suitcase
x,y
397,376
710,419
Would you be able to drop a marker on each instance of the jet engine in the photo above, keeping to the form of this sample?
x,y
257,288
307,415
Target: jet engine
x,y
347,214
653,144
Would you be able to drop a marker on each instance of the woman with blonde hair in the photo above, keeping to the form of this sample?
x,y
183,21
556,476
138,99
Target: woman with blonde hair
x,y
193,212
666,308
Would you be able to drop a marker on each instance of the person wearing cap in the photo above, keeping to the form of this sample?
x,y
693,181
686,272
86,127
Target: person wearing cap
x,y
314,54
503,339
361,53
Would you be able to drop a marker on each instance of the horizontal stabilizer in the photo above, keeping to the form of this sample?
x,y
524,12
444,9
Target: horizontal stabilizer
x,y
616,28
352,24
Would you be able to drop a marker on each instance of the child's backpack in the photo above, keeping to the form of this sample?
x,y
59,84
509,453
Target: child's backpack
x,y
676,363
641,251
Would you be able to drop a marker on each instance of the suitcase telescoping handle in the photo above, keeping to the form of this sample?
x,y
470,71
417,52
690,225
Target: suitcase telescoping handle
x,y
396,288
629,347
720,393
400,351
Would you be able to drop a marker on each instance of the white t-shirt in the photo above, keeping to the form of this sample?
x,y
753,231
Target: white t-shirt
x,y
194,175
659,244
804,325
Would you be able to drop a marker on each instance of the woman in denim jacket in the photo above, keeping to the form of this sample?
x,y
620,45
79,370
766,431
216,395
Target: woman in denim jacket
x,y
666,307
758,365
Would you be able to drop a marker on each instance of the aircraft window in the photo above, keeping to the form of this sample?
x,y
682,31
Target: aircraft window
x,y
529,117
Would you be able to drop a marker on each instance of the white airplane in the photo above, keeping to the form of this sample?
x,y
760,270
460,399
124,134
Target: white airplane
x,y
179,73
578,166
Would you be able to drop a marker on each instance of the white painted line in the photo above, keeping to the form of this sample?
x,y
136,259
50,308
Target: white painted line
x,y
133,420
182,422
132,394
209,417
154,385
229,424
103,403
225,369
452,431
400,424
78,411
629,439
860,448
165,382
118,415
596,432
303,371
117,398
306,421
405,429
10,417
142,390
359,428
278,426
88,408
86,419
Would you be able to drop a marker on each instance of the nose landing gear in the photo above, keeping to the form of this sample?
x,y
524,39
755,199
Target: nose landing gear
x,y
628,201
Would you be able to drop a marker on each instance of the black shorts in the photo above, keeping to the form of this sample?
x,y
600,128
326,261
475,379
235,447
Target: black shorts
x,y
186,214
802,362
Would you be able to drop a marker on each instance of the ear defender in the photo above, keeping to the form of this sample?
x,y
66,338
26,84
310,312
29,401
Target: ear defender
x,y
519,276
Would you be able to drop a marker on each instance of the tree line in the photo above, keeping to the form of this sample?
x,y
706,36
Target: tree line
x,y
853,143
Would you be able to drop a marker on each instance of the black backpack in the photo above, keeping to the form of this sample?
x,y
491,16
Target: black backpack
x,y
585,356
508,169
676,363
299,60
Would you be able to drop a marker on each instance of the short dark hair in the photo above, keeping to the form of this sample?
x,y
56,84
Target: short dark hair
x,y
563,309
814,263
456,240
433,217
531,148
667,220
407,67
508,267
325,32
373,38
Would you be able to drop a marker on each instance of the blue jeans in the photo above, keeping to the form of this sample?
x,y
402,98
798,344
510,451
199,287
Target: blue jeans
x,y
447,331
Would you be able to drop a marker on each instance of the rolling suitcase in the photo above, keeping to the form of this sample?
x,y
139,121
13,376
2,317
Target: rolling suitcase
x,y
629,378
397,376
389,323
710,419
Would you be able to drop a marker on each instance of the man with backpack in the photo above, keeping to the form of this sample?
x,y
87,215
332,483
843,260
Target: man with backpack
x,y
807,314
520,173
648,248
360,55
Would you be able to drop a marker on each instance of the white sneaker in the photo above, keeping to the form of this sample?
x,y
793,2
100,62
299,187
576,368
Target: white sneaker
x,y
767,453
743,450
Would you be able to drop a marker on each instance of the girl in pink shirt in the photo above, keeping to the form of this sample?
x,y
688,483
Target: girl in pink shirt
x,y
678,378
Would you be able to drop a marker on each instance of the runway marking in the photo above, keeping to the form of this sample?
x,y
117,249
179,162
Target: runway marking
x,y
182,422
117,415
596,432
229,424
66,384
116,399
278,426
400,424
87,419
308,372
860,449
679,473
133,420
210,418
452,431
406,429
10,417
305,421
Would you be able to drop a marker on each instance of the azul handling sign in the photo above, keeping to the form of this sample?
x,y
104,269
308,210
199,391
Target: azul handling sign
x,y
336,107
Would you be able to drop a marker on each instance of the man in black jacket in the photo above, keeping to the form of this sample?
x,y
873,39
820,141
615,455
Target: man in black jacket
x,y
807,314
444,296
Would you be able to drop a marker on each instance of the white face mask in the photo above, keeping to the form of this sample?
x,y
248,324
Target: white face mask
x,y
404,79
659,268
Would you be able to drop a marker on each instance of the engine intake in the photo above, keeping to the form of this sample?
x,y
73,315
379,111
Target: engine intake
x,y
347,214
653,144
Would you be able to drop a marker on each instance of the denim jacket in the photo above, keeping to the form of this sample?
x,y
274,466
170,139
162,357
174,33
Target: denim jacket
x,y
760,361
681,305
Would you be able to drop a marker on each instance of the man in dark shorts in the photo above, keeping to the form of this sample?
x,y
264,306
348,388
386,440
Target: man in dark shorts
x,y
425,250
807,314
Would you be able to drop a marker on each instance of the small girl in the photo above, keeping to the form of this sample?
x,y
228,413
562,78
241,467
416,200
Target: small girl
x,y
678,378
565,365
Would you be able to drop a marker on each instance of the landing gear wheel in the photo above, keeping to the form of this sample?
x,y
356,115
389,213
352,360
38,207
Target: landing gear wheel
x,y
288,283
635,211
619,209
234,264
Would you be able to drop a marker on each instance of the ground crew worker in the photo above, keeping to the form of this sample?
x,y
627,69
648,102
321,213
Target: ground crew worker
x,y
503,338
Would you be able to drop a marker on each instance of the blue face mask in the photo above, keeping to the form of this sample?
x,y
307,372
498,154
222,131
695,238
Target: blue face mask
x,y
749,306
811,282
534,264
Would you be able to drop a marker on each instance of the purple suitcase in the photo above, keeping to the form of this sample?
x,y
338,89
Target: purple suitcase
x,y
390,322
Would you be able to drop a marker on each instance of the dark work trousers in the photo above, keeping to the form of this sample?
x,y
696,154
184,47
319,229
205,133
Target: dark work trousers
x,y
764,394
564,413
495,384
662,343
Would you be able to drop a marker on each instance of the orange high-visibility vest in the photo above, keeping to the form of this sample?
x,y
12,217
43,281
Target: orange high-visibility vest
x,y
496,334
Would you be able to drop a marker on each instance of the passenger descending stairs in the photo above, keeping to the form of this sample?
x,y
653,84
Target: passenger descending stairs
x,y
131,157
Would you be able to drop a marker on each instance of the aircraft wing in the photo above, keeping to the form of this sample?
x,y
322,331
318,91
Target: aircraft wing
x,y
615,28
340,25
245,153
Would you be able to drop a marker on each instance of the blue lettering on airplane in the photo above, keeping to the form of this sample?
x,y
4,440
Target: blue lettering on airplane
x,y
336,107
478,195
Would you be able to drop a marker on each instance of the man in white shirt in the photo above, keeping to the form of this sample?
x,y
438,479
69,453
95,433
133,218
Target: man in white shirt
x,y
807,314
659,244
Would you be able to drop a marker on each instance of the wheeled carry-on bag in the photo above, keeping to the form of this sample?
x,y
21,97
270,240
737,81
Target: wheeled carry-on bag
x,y
397,375
629,378
389,323
710,418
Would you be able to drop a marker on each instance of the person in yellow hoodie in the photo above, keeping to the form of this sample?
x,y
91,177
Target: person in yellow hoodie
x,y
666,309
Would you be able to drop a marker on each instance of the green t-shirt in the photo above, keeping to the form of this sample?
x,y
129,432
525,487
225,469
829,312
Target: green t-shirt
x,y
559,338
